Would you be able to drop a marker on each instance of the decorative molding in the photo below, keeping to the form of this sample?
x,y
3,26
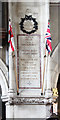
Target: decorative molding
x,y
29,101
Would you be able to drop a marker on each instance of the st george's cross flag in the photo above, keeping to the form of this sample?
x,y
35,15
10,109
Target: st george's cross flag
x,y
11,37
48,39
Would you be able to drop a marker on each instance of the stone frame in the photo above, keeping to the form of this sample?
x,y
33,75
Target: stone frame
x,y
18,61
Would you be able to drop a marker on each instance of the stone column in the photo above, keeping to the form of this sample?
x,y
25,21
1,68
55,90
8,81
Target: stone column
x,y
46,83
44,22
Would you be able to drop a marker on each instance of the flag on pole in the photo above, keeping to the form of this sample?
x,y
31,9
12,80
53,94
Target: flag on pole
x,y
11,37
48,39
11,42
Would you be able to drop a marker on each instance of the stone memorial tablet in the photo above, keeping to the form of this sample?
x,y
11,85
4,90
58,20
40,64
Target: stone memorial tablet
x,y
28,61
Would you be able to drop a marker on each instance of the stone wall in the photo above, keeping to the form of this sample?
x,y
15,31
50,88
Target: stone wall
x,y
30,16
26,18
40,12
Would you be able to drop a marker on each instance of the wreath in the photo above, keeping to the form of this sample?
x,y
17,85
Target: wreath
x,y
26,19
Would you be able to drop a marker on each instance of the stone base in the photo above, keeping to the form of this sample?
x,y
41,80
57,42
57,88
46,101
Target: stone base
x,y
28,107
28,111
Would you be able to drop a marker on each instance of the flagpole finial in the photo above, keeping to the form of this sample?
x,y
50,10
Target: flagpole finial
x,y
44,56
9,19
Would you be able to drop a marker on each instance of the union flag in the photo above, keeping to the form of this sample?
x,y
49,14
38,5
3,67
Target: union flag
x,y
48,39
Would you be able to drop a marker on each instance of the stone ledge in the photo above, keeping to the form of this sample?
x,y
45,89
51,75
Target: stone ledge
x,y
29,101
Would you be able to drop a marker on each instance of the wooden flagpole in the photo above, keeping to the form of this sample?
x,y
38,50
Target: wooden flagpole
x,y
47,65
44,71
15,72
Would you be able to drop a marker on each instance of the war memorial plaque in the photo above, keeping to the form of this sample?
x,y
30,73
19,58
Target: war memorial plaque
x,y
29,61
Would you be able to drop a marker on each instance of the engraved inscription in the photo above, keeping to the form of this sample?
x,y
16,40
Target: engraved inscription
x,y
29,61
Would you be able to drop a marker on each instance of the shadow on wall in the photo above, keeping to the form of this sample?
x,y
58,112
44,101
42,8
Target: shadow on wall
x,y
58,85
